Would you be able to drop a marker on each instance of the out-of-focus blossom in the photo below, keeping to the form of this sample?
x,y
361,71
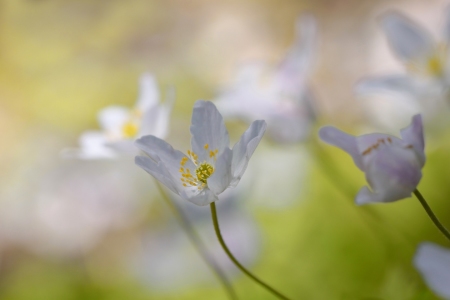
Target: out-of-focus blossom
x,y
211,166
433,262
392,165
120,126
427,81
285,100
167,259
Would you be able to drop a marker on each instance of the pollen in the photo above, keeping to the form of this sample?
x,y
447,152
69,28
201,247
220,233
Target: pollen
x,y
435,66
206,146
203,172
213,154
130,129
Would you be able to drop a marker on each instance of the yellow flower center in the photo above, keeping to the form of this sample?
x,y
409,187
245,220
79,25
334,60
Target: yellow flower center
x,y
435,66
203,171
130,129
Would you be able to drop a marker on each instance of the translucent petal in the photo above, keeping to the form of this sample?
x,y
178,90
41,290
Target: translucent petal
x,y
159,171
208,130
243,150
199,197
433,262
396,85
222,175
148,92
92,146
408,40
346,142
413,135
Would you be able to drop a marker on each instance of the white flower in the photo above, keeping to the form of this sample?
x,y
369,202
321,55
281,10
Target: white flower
x,y
211,166
392,165
427,81
285,102
433,262
120,126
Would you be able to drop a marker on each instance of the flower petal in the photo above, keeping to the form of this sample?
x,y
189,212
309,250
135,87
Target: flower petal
x,y
93,145
396,85
222,175
159,171
208,128
447,25
433,262
158,149
292,72
199,197
112,118
243,150
408,40
346,142
393,173
148,92
413,134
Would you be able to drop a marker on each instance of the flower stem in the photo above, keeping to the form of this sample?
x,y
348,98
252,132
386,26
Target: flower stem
x,y
432,216
234,260
198,244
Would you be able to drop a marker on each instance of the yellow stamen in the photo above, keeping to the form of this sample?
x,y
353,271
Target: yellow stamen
x,y
130,130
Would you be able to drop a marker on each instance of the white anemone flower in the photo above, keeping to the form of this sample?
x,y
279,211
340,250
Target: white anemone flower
x,y
120,126
211,166
393,166
433,262
426,83
285,101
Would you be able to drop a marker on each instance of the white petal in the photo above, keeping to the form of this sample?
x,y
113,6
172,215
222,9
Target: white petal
x,y
158,149
433,262
393,172
447,25
222,175
207,128
156,120
92,146
293,70
365,196
396,85
413,134
346,142
243,150
408,40
199,197
157,170
148,92
112,118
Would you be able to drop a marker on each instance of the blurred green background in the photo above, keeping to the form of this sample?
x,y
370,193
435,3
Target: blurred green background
x,y
73,229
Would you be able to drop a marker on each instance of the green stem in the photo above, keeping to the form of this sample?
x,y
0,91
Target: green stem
x,y
234,260
432,216
198,244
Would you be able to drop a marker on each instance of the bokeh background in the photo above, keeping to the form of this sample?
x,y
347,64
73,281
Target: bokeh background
x,y
72,229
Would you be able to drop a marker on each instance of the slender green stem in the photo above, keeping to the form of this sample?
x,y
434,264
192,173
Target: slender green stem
x,y
198,244
432,216
234,260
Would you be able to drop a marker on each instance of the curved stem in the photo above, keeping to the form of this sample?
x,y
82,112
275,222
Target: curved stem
x,y
432,216
234,260
198,244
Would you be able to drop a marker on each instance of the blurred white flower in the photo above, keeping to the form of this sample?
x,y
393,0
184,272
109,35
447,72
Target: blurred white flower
x,y
427,81
120,126
392,165
211,166
285,102
433,262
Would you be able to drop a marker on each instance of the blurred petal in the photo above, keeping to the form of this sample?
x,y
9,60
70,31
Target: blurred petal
x,y
222,176
408,40
148,92
413,134
92,146
112,118
243,150
293,70
447,25
433,262
207,128
332,135
392,84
